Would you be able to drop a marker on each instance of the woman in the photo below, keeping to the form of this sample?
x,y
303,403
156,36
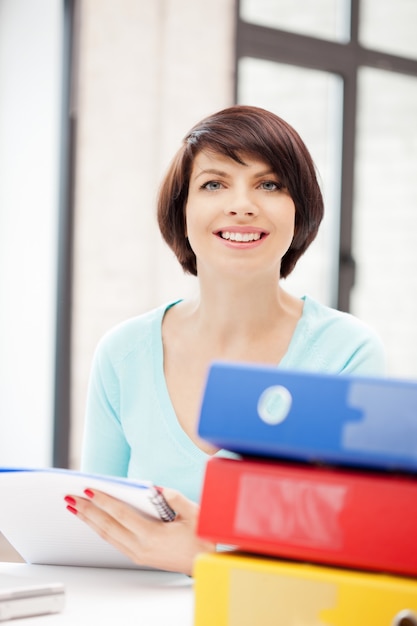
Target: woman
x,y
239,205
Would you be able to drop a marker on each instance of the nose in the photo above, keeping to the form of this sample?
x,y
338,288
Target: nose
x,y
241,205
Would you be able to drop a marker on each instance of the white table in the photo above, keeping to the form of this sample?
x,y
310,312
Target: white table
x,y
112,596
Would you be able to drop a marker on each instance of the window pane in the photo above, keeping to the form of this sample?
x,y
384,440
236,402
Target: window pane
x,y
311,102
389,25
327,19
385,217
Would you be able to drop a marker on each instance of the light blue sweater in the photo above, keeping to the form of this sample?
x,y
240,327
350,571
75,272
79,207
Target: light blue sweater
x,y
131,428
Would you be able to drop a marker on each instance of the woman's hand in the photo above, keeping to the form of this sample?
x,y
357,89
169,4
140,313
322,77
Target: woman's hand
x,y
162,545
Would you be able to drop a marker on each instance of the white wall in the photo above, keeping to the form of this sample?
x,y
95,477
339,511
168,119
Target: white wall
x,y
147,72
30,86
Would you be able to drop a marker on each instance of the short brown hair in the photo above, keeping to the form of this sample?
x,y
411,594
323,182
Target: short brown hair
x,y
236,131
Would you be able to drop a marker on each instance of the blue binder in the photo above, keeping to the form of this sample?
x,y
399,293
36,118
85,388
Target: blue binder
x,y
302,416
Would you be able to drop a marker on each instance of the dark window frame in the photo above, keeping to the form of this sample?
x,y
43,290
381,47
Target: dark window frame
x,y
63,332
341,58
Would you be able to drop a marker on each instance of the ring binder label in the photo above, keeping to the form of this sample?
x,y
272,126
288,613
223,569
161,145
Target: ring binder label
x,y
274,404
292,510
405,618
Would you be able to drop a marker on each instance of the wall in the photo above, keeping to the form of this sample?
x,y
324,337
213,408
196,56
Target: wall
x,y
30,103
147,72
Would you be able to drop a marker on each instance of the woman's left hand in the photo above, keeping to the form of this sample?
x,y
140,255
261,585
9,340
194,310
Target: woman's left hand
x,y
168,546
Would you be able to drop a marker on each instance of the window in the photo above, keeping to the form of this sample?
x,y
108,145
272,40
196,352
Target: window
x,y
344,74
281,88
327,19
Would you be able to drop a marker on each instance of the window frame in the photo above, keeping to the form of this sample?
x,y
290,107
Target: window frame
x,y
344,59
63,331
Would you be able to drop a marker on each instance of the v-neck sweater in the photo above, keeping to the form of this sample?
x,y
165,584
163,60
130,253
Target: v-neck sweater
x,y
131,428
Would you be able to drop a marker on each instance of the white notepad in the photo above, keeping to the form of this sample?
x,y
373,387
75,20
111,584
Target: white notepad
x,y
34,519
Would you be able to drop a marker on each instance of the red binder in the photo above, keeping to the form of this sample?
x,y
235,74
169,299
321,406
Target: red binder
x,y
349,518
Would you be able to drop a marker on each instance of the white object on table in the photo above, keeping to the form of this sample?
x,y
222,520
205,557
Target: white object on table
x,y
124,597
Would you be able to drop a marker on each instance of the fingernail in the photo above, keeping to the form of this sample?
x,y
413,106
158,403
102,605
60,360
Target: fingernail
x,y
89,493
70,500
72,510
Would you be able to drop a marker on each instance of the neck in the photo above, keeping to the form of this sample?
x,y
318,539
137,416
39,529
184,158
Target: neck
x,y
233,308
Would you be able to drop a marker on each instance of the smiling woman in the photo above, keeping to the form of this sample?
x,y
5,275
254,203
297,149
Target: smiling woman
x,y
244,208
236,133
239,205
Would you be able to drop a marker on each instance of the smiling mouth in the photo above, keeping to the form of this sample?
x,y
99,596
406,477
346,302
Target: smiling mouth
x,y
241,237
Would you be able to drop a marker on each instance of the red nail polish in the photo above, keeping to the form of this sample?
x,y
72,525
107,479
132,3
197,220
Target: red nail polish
x,y
89,493
72,510
70,500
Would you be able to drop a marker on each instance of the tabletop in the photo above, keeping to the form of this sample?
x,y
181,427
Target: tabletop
x,y
112,596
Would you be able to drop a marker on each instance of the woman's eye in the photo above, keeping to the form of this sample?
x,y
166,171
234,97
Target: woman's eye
x,y
270,185
212,185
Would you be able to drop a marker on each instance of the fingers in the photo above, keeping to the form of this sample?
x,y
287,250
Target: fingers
x,y
125,514
115,522
101,523
149,542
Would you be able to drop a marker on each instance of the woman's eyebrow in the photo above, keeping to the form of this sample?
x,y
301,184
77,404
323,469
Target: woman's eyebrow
x,y
212,171
216,172
267,172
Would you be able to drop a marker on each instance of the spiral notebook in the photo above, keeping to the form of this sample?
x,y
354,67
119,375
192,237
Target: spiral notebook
x,y
34,519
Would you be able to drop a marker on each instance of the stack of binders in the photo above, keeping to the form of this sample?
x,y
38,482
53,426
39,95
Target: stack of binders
x,y
319,510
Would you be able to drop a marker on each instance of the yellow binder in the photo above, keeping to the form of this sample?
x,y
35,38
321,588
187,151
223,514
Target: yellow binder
x,y
233,589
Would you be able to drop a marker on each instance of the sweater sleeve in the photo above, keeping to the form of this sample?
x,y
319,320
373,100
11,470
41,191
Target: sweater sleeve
x,y
368,357
330,341
105,449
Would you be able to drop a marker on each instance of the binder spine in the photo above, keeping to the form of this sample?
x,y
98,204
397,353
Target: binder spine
x,y
262,411
240,590
332,516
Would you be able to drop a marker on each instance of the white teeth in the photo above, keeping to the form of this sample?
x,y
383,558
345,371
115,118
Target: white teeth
x,y
240,236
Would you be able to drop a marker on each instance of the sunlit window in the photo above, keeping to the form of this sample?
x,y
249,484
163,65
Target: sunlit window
x,y
390,26
321,18
385,217
345,76
283,90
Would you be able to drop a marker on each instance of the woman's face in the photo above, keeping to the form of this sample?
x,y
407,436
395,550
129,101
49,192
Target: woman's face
x,y
239,217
